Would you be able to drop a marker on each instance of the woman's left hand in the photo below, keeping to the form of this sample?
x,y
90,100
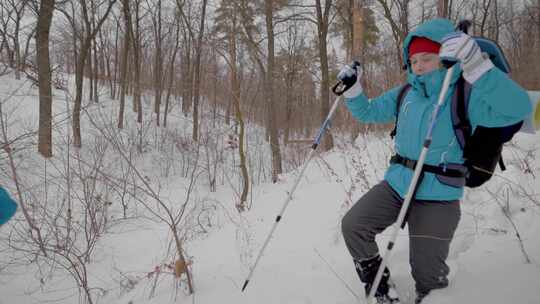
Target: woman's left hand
x,y
461,47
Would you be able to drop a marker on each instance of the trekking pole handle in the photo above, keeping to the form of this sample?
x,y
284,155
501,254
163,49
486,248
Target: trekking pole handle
x,y
347,82
464,25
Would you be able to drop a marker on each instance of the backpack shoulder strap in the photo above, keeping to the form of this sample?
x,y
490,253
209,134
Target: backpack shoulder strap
x,y
460,111
401,95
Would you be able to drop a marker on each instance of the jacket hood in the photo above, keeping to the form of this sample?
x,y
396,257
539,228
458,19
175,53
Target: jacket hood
x,y
434,30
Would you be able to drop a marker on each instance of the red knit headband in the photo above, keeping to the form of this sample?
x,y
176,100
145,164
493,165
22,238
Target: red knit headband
x,y
421,44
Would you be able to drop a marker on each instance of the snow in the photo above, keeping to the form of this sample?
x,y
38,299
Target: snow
x,y
306,260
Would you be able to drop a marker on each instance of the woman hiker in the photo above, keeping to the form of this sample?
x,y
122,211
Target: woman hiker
x,y
495,101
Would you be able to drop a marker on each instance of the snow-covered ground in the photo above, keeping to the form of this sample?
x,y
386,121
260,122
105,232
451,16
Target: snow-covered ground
x,y
306,260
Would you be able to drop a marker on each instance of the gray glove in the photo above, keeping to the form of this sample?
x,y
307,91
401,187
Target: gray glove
x,y
461,47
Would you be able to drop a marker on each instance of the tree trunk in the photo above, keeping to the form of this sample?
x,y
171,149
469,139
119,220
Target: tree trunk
x,y
95,71
182,258
537,85
2,44
187,82
44,78
158,64
137,103
358,48
236,92
538,22
169,90
197,83
123,65
288,112
322,27
89,74
17,50
228,112
19,13
18,62
214,91
442,8
79,68
110,73
171,74
269,89
358,27
485,14
404,26
137,53
496,23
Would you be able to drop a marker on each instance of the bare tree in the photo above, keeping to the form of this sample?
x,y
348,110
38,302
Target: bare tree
x,y
158,57
94,68
538,21
494,22
399,24
124,59
5,15
536,18
171,214
228,22
358,44
197,72
46,9
265,62
323,22
107,50
187,64
86,40
269,91
15,10
443,8
53,235
483,8
171,65
291,62
358,29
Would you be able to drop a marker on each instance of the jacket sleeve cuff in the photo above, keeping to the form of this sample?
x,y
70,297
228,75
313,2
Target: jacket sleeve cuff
x,y
354,91
472,74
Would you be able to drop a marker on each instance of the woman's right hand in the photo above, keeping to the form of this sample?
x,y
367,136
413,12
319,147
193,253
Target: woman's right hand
x,y
350,76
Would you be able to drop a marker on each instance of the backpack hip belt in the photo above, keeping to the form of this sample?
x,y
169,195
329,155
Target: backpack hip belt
x,y
438,170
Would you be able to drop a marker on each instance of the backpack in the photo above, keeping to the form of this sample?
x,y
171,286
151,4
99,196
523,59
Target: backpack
x,y
482,150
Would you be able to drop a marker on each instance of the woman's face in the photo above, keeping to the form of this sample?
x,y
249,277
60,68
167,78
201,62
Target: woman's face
x,y
422,63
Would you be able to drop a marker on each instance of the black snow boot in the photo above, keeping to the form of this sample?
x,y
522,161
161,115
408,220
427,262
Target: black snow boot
x,y
367,270
420,296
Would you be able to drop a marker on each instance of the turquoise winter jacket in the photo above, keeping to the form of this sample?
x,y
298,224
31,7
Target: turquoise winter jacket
x,y
7,206
495,101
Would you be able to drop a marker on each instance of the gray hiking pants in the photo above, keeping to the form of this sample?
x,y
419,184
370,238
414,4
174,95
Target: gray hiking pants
x,y
431,227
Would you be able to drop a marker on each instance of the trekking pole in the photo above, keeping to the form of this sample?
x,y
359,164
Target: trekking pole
x,y
412,186
325,126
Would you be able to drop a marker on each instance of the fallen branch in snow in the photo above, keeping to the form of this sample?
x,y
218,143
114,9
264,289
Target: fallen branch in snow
x,y
519,189
506,211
